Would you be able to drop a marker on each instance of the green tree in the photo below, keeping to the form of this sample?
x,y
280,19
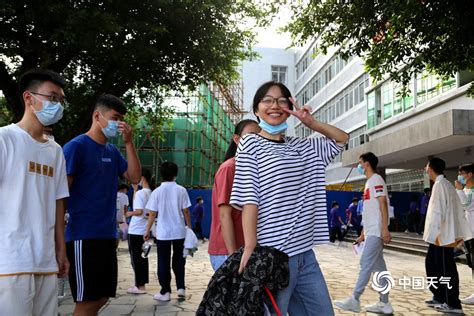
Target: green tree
x,y
5,116
122,47
396,37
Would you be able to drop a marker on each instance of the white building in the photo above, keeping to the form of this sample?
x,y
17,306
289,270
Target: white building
x,y
435,119
273,64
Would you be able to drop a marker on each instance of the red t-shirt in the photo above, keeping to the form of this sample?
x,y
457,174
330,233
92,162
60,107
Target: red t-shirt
x,y
221,192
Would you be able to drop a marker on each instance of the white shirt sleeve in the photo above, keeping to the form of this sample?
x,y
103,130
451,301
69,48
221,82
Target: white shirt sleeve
x,y
138,201
185,201
378,187
152,204
433,214
62,188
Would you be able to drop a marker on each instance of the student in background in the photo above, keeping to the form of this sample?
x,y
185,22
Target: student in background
x,y
137,230
445,227
425,199
352,218
413,213
198,215
169,203
335,223
122,208
226,225
375,235
464,188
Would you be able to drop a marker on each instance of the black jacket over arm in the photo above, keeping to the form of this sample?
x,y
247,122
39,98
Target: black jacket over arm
x,y
231,293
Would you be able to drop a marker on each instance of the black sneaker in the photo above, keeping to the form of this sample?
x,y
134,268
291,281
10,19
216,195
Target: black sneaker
x,y
433,303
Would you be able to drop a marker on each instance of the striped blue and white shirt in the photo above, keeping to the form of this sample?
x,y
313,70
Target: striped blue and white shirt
x,y
286,180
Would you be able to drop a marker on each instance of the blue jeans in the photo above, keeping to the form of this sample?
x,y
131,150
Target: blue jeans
x,y
217,260
307,293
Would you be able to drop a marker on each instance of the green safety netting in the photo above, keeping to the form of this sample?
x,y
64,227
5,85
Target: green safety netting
x,y
196,142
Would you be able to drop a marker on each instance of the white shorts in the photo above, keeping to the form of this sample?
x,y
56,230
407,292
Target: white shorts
x,y
29,294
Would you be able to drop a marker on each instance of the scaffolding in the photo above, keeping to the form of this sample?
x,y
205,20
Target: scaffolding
x,y
197,140
231,97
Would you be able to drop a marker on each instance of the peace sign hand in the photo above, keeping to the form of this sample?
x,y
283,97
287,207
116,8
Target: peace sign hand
x,y
302,113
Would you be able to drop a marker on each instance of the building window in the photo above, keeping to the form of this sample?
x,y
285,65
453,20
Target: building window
x,y
279,74
324,76
387,98
429,86
371,114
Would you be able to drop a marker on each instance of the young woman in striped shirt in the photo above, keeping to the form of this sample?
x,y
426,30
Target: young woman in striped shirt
x,y
280,186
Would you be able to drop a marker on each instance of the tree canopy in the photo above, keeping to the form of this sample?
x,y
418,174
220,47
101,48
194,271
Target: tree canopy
x,y
396,37
126,48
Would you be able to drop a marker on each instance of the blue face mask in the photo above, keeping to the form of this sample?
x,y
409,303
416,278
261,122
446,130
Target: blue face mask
x,y
360,169
50,113
462,180
111,130
273,129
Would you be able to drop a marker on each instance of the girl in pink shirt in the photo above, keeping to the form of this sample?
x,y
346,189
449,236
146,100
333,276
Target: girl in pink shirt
x,y
226,226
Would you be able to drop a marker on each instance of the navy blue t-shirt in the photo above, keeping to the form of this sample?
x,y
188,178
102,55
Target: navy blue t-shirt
x,y
353,210
334,214
92,197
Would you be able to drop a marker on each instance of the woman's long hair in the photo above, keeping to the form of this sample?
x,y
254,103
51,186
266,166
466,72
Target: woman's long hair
x,y
238,131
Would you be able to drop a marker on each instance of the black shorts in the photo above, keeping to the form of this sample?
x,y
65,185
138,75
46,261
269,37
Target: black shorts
x,y
93,271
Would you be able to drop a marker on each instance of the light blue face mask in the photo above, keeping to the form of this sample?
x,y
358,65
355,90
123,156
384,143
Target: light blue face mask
x,y
273,129
111,130
462,180
50,113
360,169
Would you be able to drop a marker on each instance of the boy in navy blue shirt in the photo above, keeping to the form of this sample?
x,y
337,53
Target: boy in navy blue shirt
x,y
198,214
93,167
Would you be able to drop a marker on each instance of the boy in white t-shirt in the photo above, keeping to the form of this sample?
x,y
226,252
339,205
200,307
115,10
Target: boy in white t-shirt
x,y
170,203
122,208
375,234
33,185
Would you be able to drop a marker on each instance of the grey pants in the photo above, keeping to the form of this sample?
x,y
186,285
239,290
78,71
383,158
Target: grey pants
x,y
371,261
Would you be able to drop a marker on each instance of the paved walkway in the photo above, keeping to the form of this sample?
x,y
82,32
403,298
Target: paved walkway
x,y
339,265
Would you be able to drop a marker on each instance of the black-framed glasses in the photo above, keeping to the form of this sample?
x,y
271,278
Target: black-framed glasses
x,y
55,99
282,101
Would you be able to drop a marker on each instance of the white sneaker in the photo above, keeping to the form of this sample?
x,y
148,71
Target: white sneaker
x,y
348,304
135,290
445,308
380,308
181,293
468,300
162,297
